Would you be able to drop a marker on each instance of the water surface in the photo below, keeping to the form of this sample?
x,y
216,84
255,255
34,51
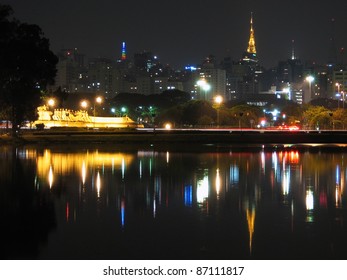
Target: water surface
x,y
116,203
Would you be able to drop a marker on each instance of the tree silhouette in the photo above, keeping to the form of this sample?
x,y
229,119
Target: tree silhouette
x,y
27,66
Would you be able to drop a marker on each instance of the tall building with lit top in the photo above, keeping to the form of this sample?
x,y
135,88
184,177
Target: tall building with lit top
x,y
124,53
250,55
243,75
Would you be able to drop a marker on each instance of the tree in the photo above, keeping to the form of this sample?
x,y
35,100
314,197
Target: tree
x,y
27,66
317,117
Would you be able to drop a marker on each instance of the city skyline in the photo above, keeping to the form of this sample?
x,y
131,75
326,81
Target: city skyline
x,y
189,31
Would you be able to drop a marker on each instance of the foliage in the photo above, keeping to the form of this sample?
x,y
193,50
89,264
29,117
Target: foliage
x,y
146,107
60,96
245,115
27,66
317,117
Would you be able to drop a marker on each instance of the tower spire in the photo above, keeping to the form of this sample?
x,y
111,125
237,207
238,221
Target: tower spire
x,y
293,50
124,53
251,43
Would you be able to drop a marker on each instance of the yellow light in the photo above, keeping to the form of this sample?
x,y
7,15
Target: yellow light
x,y
168,126
218,99
98,184
98,99
84,104
50,176
51,102
218,182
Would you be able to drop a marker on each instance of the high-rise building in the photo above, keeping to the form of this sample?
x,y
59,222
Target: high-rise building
x,y
71,71
242,77
210,80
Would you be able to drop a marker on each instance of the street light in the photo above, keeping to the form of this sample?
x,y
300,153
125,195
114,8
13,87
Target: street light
x,y
205,86
98,99
218,100
84,104
309,79
51,103
338,94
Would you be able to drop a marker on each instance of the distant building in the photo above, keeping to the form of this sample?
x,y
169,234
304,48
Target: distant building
x,y
71,71
339,82
102,73
209,80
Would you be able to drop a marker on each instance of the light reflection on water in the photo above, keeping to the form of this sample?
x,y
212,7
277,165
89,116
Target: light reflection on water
x,y
94,204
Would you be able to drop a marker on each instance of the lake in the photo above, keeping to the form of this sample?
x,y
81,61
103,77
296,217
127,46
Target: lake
x,y
120,202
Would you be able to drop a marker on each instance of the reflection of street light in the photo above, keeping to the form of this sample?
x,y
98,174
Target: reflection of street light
x,y
218,100
309,79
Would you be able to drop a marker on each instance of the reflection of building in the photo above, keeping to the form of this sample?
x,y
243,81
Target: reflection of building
x,y
50,164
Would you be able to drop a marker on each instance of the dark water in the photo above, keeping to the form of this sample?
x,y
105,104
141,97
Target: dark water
x,y
63,203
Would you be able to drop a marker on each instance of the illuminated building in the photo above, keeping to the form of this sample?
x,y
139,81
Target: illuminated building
x,y
81,119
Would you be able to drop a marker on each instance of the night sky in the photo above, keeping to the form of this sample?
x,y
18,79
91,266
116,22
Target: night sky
x,y
184,32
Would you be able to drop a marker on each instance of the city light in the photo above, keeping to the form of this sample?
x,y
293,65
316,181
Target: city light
x,y
51,102
204,86
84,104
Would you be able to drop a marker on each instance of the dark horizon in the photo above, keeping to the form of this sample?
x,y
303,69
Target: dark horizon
x,y
186,32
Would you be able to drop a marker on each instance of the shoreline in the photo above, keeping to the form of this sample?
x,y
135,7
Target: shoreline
x,y
183,139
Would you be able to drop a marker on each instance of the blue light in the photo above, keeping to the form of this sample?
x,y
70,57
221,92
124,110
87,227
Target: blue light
x,y
188,195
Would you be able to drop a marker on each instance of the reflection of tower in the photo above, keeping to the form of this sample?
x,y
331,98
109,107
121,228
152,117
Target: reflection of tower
x,y
250,220
124,53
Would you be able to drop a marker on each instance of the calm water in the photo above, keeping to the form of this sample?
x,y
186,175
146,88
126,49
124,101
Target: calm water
x,y
58,203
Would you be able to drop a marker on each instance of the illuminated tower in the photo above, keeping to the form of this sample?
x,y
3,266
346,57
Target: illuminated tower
x,y
124,54
293,50
251,42
251,54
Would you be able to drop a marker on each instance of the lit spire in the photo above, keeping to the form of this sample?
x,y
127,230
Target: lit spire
x,y
124,54
251,43
293,50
